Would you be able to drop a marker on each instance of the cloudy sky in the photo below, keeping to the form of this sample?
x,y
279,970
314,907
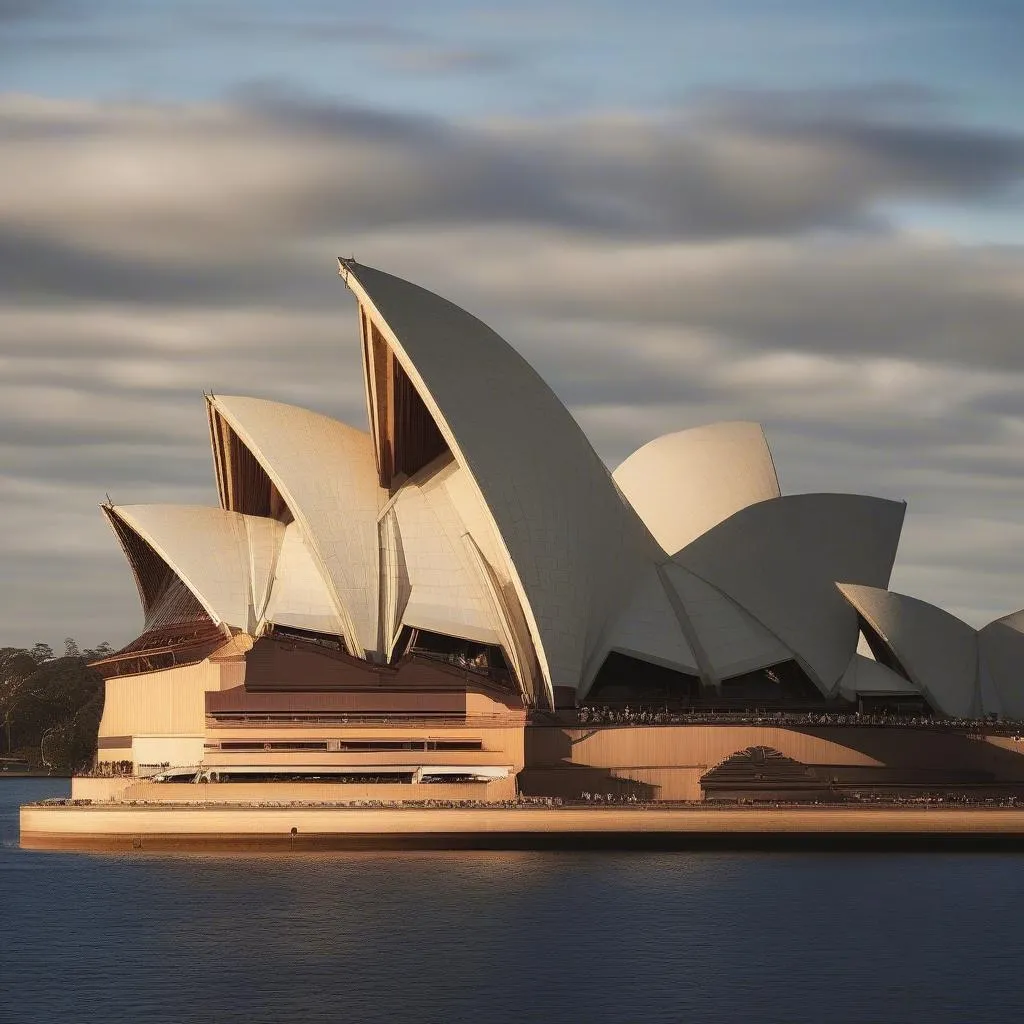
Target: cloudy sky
x,y
801,212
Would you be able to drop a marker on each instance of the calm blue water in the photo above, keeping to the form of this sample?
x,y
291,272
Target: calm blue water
x,y
491,938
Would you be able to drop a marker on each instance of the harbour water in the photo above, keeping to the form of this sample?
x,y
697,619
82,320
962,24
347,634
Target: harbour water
x,y
503,937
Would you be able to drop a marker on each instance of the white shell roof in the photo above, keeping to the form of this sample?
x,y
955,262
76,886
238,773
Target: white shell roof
x,y
731,640
647,628
1015,620
299,596
325,472
572,544
683,484
867,676
938,651
1001,645
687,558
447,594
225,558
779,560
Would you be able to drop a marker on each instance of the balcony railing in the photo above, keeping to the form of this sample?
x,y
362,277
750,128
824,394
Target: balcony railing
x,y
247,720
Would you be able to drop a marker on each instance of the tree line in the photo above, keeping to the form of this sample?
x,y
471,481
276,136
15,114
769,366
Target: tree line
x,y
50,704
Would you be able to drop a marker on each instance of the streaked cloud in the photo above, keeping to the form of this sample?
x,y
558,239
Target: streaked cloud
x,y
148,179
737,256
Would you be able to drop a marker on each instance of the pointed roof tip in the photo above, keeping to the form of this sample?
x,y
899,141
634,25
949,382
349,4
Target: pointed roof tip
x,y
1015,620
346,266
844,586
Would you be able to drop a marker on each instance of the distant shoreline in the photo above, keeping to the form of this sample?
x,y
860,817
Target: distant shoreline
x,y
32,775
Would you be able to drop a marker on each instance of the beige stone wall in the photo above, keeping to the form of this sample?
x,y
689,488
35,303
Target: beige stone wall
x,y
114,753
83,788
1002,753
310,792
707,745
169,702
502,746
81,827
574,782
666,762
151,752
680,746
367,759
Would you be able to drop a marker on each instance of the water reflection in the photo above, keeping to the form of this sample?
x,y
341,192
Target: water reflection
x,y
498,937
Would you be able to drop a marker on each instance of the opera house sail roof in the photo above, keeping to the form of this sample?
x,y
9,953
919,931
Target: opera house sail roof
x,y
472,518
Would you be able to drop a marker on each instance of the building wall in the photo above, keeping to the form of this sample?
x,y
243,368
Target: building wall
x,y
85,788
368,760
114,748
311,792
660,762
168,703
506,743
577,782
666,762
152,752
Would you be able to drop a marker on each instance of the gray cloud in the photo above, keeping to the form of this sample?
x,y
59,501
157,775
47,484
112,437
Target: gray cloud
x,y
90,595
66,28
303,27
901,295
394,44
729,260
27,10
431,59
239,174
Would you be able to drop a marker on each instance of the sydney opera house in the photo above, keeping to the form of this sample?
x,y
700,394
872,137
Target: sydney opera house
x,y
445,602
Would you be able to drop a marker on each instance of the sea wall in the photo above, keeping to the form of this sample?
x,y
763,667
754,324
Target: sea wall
x,y
169,827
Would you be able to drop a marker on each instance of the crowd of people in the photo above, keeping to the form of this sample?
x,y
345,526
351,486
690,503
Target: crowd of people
x,y
962,799
606,715
111,769
518,802
588,799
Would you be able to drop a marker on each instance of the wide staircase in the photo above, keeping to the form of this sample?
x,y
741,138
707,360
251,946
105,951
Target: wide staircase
x,y
762,773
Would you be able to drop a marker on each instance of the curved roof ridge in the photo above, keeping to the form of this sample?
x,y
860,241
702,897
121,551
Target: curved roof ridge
x,y
686,482
1014,620
219,399
226,559
938,650
1001,646
324,471
696,428
779,559
299,596
572,545
732,639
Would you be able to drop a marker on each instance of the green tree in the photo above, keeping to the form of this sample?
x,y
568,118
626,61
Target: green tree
x,y
102,650
53,706
16,666
56,745
41,652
